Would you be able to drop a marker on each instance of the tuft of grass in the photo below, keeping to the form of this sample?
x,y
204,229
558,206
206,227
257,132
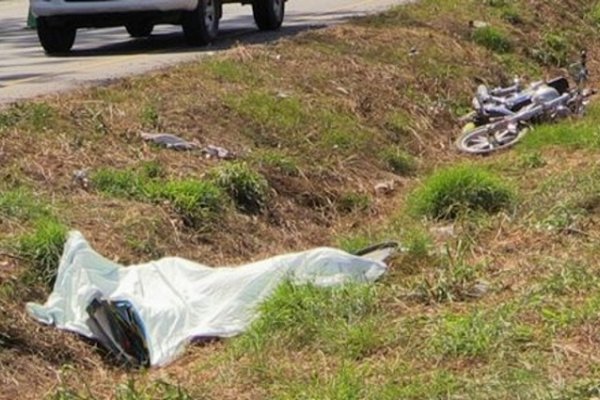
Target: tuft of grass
x,y
195,201
458,190
247,188
492,39
273,159
353,202
149,116
119,183
399,161
43,248
553,50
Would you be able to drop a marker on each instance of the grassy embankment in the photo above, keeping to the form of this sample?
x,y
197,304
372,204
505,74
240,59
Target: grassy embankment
x,y
496,297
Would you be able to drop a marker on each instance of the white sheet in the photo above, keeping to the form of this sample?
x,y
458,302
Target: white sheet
x,y
179,300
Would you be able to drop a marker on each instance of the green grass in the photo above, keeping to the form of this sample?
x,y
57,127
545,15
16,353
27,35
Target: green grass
x,y
341,321
132,391
399,161
196,201
43,248
273,159
22,205
492,39
248,188
353,202
452,192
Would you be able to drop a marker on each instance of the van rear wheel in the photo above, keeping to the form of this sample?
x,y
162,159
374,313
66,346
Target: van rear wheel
x,y
55,38
268,14
201,26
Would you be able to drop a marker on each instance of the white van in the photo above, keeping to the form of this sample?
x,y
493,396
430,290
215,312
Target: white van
x,y
58,20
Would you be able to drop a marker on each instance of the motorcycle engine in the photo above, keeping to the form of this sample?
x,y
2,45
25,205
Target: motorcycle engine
x,y
544,94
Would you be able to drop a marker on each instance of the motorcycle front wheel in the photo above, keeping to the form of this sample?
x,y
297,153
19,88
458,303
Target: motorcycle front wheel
x,y
489,138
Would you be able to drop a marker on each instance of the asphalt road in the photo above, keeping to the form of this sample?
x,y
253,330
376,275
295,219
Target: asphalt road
x,y
100,55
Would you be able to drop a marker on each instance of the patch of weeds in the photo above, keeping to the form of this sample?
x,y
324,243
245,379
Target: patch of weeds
x,y
583,389
22,205
398,124
532,160
553,50
455,191
450,282
269,111
281,163
119,182
434,384
346,383
43,248
571,134
399,161
570,279
40,115
131,391
230,71
512,15
195,201
492,39
247,188
149,116
341,130
152,170
353,202
477,334
337,320
594,13
560,217
10,117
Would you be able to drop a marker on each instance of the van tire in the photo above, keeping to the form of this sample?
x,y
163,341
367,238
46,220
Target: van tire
x,y
201,26
268,14
55,38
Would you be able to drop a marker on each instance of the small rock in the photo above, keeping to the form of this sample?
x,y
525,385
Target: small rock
x,y
80,177
478,290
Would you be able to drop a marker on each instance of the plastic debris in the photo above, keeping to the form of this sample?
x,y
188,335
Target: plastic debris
x,y
169,141
211,151
80,177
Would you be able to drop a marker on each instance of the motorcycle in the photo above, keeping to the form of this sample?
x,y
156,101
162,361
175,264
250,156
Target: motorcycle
x,y
502,116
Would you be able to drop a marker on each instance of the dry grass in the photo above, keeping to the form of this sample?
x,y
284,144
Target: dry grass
x,y
350,94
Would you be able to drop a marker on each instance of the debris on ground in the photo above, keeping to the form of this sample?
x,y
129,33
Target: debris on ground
x,y
221,153
146,314
80,177
169,141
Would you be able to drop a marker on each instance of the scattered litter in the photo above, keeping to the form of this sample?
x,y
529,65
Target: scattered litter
x,y
169,141
385,188
478,24
282,95
221,153
413,52
342,90
80,177
148,313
